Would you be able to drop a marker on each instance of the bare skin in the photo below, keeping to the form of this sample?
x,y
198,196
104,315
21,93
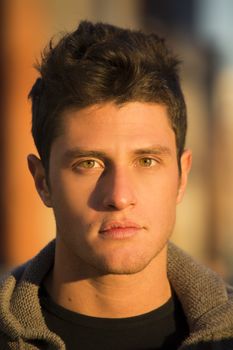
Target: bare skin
x,y
111,296
113,185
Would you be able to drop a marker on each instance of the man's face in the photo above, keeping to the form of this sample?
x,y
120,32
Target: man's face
x,y
114,185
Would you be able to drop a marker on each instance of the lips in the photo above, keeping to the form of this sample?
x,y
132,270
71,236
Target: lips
x,y
119,229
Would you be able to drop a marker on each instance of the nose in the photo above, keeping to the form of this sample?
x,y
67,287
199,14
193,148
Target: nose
x,y
118,191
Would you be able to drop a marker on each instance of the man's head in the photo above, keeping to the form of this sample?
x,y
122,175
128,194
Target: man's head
x,y
101,63
109,122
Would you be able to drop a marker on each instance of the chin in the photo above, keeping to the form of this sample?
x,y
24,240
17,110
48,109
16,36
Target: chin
x,y
123,265
131,259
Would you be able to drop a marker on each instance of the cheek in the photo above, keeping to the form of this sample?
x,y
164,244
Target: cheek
x,y
162,187
70,198
161,200
71,190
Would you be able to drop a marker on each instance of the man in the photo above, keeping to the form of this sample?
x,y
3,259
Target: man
x,y
109,123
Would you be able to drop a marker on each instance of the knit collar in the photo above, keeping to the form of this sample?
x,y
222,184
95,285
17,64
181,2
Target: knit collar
x,y
202,293
206,300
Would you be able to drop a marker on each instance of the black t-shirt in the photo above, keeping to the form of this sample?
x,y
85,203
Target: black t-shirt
x,y
160,329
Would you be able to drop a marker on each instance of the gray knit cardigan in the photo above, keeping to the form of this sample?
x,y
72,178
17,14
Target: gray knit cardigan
x,y
207,303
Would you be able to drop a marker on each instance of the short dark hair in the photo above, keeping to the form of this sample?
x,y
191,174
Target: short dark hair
x,y
100,63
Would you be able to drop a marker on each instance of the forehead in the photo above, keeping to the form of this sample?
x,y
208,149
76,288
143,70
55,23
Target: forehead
x,y
134,124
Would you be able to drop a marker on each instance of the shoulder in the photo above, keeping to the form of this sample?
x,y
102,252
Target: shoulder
x,y
12,276
206,299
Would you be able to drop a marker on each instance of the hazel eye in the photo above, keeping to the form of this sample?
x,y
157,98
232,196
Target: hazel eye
x,y
147,162
88,164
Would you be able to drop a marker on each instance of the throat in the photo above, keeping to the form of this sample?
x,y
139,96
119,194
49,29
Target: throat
x,y
103,298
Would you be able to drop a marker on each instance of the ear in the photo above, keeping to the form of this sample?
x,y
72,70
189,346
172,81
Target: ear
x,y
185,163
38,173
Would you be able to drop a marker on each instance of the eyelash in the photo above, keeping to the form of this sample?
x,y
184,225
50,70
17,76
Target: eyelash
x,y
78,165
150,159
86,161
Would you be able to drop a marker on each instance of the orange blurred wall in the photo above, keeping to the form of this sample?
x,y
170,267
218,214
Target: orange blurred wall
x,y
29,225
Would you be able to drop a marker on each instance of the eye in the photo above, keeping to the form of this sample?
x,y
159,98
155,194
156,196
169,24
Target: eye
x,y
88,164
147,162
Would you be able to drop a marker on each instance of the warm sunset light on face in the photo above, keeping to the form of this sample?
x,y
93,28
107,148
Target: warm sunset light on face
x,y
115,184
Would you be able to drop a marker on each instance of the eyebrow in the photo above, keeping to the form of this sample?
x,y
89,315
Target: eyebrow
x,y
79,152
159,150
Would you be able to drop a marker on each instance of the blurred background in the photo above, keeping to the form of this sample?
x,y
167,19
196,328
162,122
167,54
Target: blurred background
x,y
200,32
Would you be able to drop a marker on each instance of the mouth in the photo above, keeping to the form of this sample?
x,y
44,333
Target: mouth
x,y
119,230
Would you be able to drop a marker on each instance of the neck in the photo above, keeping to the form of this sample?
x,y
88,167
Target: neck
x,y
109,296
